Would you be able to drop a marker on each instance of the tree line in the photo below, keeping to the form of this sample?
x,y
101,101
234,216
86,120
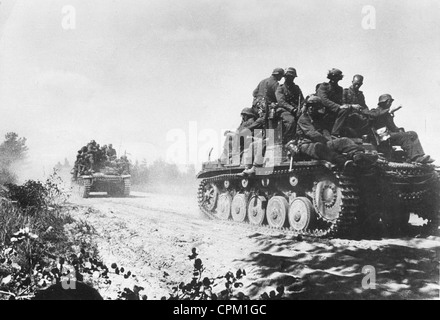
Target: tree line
x,y
12,150
160,171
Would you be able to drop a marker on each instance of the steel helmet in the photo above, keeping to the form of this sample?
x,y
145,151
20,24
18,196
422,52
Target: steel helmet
x,y
291,71
335,73
313,99
247,111
278,71
385,97
358,79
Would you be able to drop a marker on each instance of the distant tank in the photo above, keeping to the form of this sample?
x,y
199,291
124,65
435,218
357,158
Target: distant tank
x,y
112,177
301,196
114,185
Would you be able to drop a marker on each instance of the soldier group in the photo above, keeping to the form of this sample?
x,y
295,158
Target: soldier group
x,y
93,158
327,125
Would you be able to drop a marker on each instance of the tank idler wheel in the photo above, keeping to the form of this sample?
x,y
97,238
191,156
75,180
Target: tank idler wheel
x,y
224,206
257,210
210,195
328,200
239,208
301,214
277,212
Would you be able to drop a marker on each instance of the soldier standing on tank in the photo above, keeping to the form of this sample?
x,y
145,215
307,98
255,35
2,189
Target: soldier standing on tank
x,y
382,117
247,119
289,100
315,140
264,105
265,97
331,95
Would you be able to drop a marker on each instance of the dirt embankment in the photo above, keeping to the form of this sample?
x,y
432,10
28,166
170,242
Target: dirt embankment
x,y
152,236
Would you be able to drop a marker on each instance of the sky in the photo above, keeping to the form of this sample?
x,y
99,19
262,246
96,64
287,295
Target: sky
x,y
152,77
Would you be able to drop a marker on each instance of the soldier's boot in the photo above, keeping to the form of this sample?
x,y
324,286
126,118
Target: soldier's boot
x,y
249,170
425,159
292,148
363,159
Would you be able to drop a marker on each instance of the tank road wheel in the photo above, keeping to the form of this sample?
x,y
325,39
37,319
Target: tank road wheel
x,y
277,212
301,214
224,206
239,207
257,210
208,194
327,200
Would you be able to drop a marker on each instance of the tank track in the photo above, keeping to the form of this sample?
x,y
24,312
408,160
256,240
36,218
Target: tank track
x,y
343,226
127,187
416,187
84,186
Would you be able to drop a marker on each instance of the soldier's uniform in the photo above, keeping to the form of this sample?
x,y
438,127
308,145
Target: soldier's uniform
x,y
331,96
289,98
264,96
315,140
111,153
266,90
409,141
244,131
357,123
91,154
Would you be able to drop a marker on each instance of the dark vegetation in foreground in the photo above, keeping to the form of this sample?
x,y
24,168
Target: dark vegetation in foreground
x,y
45,253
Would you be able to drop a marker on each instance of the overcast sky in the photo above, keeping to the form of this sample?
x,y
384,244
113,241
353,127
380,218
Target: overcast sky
x,y
132,71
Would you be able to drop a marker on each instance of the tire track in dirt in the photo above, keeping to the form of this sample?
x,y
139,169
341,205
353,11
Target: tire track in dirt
x,y
153,234
152,239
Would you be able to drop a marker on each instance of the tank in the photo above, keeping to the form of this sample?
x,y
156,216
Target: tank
x,y
301,196
110,176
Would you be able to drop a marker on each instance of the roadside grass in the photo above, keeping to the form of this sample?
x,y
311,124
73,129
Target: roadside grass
x,y
40,243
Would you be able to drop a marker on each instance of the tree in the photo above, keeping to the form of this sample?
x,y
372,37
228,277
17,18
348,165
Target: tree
x,y
13,149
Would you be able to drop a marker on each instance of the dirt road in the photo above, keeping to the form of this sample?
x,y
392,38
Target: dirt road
x,y
152,236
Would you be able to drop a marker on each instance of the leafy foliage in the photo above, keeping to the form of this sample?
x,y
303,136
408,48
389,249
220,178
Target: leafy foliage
x,y
33,196
201,287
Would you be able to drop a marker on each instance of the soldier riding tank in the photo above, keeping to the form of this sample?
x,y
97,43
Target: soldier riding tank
x,y
308,197
112,177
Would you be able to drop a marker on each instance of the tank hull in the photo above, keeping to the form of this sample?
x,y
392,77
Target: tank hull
x,y
313,198
117,186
